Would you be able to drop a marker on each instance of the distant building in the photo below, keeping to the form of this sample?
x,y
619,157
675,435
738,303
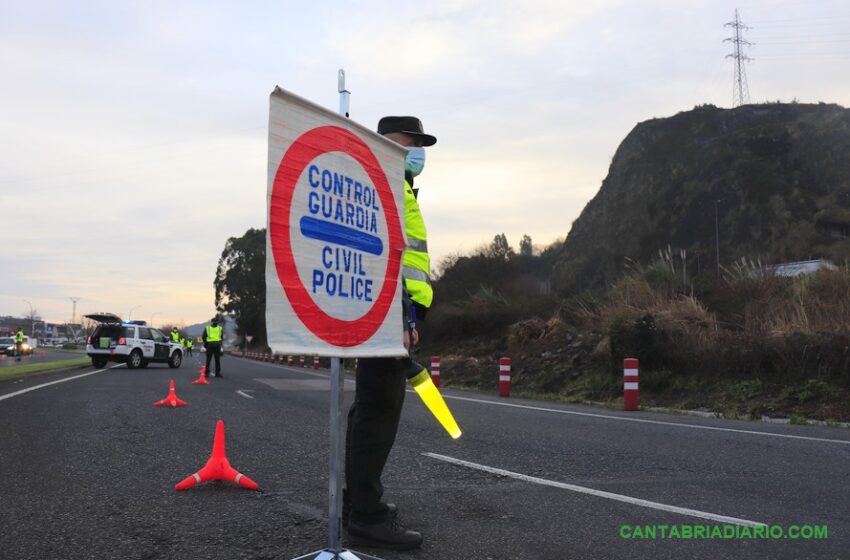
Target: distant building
x,y
794,269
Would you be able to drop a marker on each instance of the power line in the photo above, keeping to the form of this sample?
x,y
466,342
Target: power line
x,y
740,89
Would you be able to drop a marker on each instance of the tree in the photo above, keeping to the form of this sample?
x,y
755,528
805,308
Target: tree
x,y
525,247
33,318
240,283
500,248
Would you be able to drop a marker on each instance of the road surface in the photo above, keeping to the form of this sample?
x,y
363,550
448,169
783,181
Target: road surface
x,y
89,467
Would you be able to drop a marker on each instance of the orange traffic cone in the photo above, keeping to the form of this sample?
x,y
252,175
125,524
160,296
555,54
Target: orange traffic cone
x,y
172,399
217,467
202,378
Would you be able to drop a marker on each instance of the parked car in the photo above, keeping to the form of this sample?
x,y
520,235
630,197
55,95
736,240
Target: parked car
x,y
130,342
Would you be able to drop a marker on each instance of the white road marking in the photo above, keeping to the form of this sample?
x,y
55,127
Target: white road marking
x,y
242,393
43,385
603,416
646,421
599,493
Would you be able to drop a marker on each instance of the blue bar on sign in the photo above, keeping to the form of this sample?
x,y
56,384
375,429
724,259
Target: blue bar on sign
x,y
341,235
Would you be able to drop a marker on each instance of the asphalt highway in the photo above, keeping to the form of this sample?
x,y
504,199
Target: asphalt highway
x,y
89,466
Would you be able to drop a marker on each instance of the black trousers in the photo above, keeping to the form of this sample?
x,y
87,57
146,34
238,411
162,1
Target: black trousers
x,y
214,350
372,426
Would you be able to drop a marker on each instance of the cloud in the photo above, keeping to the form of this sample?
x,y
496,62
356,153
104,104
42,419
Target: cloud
x,y
139,130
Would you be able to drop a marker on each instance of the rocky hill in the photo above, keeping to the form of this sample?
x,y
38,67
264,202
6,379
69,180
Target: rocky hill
x,y
776,177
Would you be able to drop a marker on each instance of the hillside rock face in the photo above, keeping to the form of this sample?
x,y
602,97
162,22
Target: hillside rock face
x,y
776,176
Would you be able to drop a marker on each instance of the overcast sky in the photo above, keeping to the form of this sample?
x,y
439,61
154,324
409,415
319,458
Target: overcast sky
x,y
133,135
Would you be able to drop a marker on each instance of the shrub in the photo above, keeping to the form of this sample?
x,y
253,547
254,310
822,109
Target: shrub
x,y
640,339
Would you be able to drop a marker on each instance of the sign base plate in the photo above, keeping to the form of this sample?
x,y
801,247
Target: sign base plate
x,y
330,555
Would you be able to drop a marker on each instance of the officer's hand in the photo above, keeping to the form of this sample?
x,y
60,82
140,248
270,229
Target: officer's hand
x,y
406,340
415,337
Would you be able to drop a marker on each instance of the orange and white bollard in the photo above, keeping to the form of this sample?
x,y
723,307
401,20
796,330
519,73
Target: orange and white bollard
x,y
289,360
315,362
631,393
435,370
301,361
504,377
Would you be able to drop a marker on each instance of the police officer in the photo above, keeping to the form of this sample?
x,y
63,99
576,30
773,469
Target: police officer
x,y
189,344
175,335
19,344
374,416
213,335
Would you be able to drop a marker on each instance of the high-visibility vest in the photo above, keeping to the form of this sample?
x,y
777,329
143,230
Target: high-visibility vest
x,y
189,343
19,337
175,336
214,333
416,266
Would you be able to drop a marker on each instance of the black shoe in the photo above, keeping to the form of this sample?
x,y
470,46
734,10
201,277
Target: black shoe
x,y
392,511
218,374
389,534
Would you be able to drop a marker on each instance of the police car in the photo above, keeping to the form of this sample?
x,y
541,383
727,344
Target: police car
x,y
130,342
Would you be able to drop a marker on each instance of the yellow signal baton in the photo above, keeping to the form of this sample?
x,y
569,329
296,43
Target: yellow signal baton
x,y
424,387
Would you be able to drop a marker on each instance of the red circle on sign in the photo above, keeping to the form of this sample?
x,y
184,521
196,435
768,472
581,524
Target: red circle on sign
x,y
305,149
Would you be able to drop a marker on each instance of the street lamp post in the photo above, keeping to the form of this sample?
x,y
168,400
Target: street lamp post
x,y
130,314
74,300
154,315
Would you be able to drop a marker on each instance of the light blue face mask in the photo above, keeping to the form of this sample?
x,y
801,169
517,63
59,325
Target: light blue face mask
x,y
414,162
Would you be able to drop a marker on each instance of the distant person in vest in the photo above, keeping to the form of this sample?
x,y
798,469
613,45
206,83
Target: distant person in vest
x,y
189,345
374,416
213,334
175,335
19,344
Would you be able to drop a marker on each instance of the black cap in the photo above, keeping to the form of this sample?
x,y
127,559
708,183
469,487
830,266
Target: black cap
x,y
407,125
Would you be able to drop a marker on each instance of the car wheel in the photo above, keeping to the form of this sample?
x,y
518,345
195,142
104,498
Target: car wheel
x,y
134,360
98,363
144,364
175,360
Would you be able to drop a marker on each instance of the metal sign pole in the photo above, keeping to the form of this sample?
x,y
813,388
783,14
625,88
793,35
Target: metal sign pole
x,y
336,459
336,453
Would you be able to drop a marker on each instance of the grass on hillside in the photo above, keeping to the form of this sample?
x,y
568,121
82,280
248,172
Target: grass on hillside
x,y
745,343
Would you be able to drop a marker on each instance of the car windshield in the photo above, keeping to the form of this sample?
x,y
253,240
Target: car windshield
x,y
7,341
158,336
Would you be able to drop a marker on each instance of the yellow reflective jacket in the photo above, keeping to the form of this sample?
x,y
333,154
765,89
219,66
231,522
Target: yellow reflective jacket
x,y
214,334
416,266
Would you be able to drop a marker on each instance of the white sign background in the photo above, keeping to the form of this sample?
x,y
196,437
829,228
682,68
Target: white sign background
x,y
335,231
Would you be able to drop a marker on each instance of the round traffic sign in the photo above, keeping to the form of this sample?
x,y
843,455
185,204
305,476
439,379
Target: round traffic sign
x,y
305,149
